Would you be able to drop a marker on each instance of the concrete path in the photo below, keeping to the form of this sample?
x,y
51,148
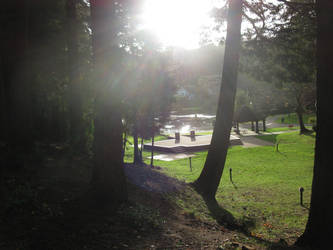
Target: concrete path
x,y
187,141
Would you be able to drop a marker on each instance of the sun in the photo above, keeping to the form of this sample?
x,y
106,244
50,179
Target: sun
x,y
177,22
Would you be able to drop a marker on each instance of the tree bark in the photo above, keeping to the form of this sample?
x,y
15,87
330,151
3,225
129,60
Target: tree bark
x,y
74,99
257,127
252,125
302,128
136,156
210,177
318,232
109,181
264,124
152,150
141,150
124,145
16,81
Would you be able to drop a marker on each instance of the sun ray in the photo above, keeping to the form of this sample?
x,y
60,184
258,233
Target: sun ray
x,y
177,22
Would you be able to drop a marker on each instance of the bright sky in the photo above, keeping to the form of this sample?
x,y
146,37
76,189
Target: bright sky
x,y
178,22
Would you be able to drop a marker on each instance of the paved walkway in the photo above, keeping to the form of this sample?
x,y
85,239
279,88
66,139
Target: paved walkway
x,y
185,141
248,140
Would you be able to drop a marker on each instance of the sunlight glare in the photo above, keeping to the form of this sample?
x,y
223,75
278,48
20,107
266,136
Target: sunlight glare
x,y
177,22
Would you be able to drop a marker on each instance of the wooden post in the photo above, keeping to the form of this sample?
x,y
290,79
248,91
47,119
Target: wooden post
x,y
230,174
192,135
190,163
177,137
301,190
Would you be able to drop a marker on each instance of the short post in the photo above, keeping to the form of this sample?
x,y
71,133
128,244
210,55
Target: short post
x,y
177,137
301,190
192,135
190,163
230,174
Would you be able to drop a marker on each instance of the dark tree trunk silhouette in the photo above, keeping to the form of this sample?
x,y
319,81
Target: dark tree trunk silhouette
x,y
16,78
257,126
152,150
264,124
136,156
141,150
299,113
3,125
318,232
124,145
210,177
75,102
109,181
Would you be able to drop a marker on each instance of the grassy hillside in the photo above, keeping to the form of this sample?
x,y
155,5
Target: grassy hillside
x,y
266,185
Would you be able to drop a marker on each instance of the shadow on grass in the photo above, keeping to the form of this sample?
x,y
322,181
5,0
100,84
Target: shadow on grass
x,y
234,185
311,133
306,207
244,226
221,215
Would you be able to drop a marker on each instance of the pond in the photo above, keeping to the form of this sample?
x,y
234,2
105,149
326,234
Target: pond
x,y
185,123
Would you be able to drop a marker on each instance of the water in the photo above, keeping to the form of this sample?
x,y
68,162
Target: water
x,y
185,123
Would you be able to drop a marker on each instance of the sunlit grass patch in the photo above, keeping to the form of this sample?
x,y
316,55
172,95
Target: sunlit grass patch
x,y
293,119
265,184
279,129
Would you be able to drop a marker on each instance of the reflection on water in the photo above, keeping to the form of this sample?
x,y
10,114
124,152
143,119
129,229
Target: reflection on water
x,y
185,123
193,116
185,129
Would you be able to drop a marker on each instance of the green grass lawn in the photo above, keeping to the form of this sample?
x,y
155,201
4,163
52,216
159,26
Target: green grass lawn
x,y
266,183
283,129
292,118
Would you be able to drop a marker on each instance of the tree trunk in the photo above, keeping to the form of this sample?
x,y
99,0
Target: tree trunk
x,y
302,127
136,156
141,150
152,150
124,145
252,125
257,127
16,81
210,177
3,126
237,127
264,124
109,181
74,98
318,232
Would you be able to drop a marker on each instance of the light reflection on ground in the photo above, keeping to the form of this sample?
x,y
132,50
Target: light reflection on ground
x,y
171,157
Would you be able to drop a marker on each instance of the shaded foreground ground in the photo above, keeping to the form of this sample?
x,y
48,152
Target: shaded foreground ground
x,y
49,207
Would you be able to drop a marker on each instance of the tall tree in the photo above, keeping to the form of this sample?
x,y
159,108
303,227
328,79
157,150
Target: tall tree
x,y
318,232
210,177
108,180
75,102
15,52
285,49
